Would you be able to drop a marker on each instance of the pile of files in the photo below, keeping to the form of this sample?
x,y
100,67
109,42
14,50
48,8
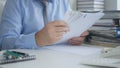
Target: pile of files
x,y
90,5
104,38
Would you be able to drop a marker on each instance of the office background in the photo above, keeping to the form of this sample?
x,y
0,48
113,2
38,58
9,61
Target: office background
x,y
109,4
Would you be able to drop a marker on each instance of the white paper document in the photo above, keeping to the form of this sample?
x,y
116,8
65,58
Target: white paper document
x,y
79,22
79,50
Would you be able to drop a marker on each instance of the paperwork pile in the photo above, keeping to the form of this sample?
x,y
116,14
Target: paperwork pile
x,y
90,5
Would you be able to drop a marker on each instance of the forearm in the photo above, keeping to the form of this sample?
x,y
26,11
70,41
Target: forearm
x,y
21,42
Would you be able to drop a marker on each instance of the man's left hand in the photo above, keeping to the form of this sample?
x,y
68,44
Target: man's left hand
x,y
78,40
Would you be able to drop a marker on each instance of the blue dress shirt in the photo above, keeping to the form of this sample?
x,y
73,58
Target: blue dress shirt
x,y
21,19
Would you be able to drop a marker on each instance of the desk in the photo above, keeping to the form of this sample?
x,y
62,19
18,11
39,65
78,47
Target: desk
x,y
49,59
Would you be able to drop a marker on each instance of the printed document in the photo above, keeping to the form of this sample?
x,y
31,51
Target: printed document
x,y
79,22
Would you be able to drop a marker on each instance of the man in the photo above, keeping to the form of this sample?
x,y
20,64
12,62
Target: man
x,y
34,23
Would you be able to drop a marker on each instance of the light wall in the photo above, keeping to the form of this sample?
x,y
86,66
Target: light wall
x,y
112,4
118,4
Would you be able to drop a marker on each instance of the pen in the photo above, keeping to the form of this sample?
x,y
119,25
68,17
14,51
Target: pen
x,y
21,53
11,55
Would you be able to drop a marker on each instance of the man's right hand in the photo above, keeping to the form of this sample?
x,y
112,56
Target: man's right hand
x,y
51,33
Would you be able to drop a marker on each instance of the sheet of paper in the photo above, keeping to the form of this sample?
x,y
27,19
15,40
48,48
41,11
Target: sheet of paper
x,y
79,50
78,23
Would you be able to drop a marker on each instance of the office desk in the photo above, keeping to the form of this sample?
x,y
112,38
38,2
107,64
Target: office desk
x,y
47,58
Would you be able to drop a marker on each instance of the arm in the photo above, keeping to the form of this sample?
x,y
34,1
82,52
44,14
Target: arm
x,y
11,26
55,30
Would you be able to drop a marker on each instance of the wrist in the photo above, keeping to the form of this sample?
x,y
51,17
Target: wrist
x,y
39,40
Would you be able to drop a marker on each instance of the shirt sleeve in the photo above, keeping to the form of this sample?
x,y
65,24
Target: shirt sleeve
x,y
11,26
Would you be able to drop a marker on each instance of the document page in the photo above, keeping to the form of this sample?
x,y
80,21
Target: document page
x,y
82,50
79,22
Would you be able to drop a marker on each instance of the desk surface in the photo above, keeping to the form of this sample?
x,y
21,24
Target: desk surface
x,y
49,59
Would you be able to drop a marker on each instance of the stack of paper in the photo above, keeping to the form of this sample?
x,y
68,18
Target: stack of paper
x,y
90,5
79,22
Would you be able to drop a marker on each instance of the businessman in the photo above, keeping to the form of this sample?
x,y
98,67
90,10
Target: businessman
x,y
28,24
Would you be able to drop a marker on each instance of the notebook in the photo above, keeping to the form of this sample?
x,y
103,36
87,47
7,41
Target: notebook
x,y
13,57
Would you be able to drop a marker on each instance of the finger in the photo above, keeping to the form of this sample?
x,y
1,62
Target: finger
x,y
85,34
75,42
59,38
59,34
78,39
62,29
79,43
60,23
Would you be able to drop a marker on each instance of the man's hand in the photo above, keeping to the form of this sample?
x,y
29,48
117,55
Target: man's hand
x,y
78,40
51,33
